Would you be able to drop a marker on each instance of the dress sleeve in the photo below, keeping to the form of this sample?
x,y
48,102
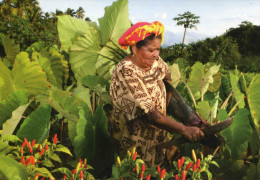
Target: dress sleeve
x,y
129,94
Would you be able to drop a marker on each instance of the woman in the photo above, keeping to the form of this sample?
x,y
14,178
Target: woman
x,y
139,97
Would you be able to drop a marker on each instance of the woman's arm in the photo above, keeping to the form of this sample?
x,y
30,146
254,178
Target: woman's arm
x,y
162,121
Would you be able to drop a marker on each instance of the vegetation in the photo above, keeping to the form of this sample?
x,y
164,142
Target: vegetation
x,y
55,104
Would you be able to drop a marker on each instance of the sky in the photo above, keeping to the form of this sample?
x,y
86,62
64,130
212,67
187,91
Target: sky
x,y
216,16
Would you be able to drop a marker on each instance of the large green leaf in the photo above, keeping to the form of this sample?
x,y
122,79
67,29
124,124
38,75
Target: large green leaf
x,y
51,65
10,125
203,109
13,101
238,133
68,104
84,53
253,97
175,74
11,169
201,78
70,28
92,138
11,49
24,75
36,125
115,22
234,80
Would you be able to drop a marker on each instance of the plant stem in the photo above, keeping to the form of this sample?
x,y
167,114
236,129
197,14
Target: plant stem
x,y
61,130
233,109
193,99
93,102
226,101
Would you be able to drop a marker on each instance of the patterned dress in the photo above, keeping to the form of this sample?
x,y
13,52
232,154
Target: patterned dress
x,y
135,92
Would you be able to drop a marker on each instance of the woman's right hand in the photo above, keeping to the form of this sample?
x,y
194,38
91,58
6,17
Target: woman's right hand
x,y
193,133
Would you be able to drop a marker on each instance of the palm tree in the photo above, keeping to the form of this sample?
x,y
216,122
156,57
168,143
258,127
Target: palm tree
x,y
188,20
80,13
70,12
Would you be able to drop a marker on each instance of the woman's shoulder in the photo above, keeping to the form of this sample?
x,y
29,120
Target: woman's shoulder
x,y
126,63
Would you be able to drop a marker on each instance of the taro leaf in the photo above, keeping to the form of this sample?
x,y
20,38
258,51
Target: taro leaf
x,y
83,93
175,74
36,125
253,98
68,105
11,49
216,83
238,133
234,80
92,81
35,47
225,87
13,101
203,109
115,22
12,138
70,28
11,169
84,53
51,65
24,75
201,78
93,140
10,125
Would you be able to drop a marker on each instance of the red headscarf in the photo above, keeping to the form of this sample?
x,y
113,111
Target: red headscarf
x,y
139,31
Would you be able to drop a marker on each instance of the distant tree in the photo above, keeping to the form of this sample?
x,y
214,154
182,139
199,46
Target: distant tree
x,y
70,12
188,20
80,13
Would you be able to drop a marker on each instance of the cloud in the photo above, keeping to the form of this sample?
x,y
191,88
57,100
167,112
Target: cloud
x,y
161,15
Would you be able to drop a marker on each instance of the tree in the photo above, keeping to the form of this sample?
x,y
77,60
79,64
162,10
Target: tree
x,y
80,13
188,20
70,12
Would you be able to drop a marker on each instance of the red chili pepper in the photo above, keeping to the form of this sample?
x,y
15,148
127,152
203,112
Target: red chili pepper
x,y
25,140
30,149
183,175
141,175
162,173
135,154
81,175
22,160
24,143
143,168
64,177
86,166
121,178
32,160
33,142
158,169
182,160
42,151
179,164
46,147
134,170
74,171
188,166
38,175
176,177
27,162
55,139
198,163
21,151
194,167
148,177
42,178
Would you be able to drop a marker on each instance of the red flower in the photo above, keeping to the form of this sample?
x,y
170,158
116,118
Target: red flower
x,y
148,177
183,175
162,173
188,166
135,154
198,163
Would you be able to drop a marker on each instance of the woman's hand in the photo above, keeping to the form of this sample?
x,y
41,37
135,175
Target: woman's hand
x,y
193,133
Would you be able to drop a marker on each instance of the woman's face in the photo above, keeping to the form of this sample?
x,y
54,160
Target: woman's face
x,y
146,55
